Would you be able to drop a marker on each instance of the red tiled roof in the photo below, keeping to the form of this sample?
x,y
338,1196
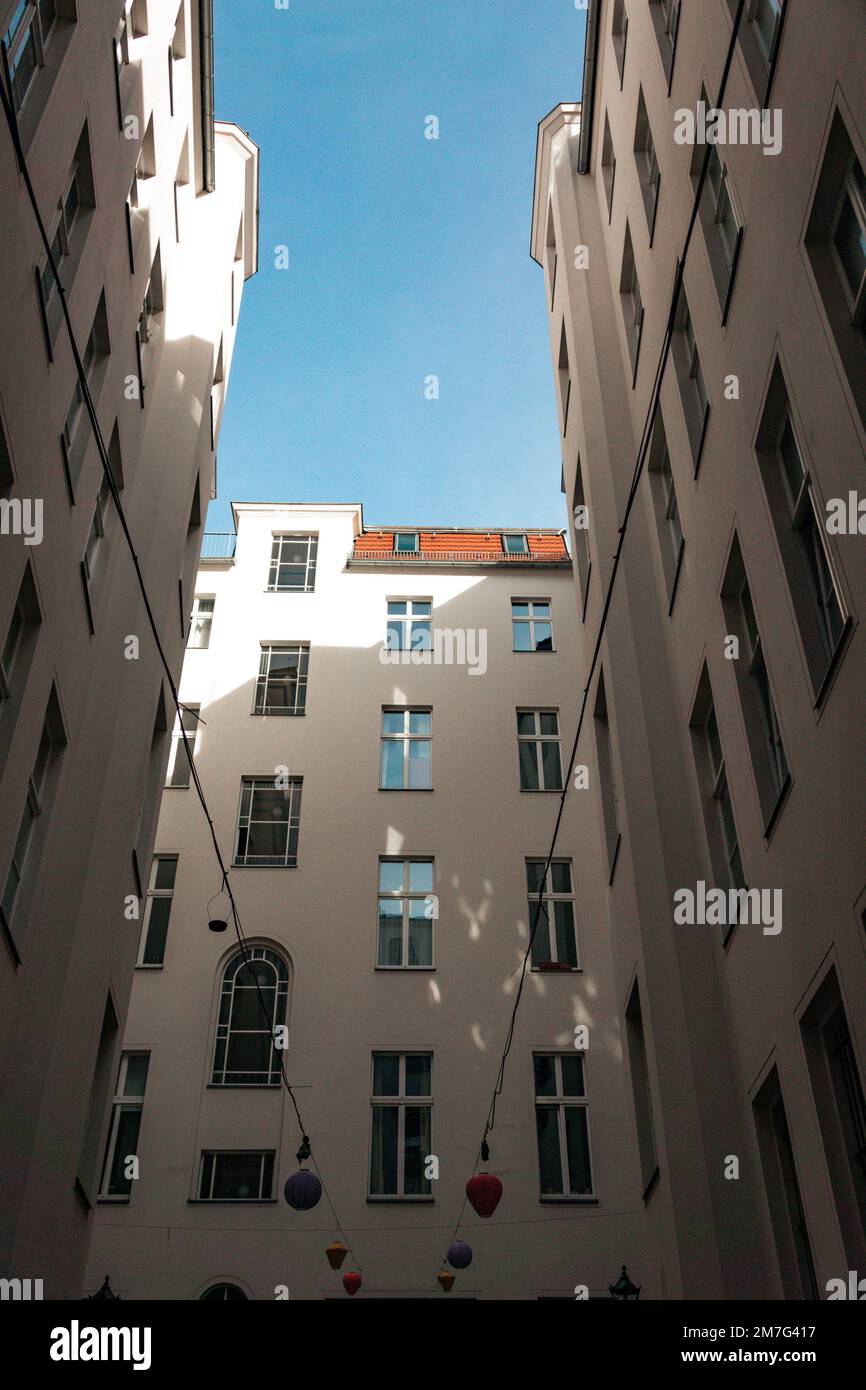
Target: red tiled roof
x,y
461,545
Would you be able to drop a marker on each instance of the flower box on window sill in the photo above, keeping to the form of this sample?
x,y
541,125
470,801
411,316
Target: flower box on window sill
x,y
554,965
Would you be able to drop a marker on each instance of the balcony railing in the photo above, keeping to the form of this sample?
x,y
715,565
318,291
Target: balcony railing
x,y
469,556
219,545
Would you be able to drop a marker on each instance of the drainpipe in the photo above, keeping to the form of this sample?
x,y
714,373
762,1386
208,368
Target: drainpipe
x,y
208,160
587,96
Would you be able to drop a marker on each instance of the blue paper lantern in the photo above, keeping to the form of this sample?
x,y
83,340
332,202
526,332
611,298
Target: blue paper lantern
x,y
460,1254
302,1190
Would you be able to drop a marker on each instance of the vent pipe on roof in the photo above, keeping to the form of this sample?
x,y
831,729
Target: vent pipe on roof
x,y
208,159
587,95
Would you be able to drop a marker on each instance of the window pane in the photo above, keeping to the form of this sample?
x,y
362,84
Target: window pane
x,y
390,932
543,637
419,1066
522,642
850,241
421,640
383,1152
420,722
561,877
545,1075
391,875
157,931
528,766
419,764
392,763
248,1059
534,874
237,1176
541,953
386,1074
549,1163
525,722
519,610
396,607
572,1074
165,873
549,724
137,1064
422,609
566,945
417,1132
125,1145
421,876
420,934
541,609
550,765
577,1144
393,721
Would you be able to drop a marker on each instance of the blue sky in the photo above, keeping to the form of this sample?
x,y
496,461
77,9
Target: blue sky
x,y
408,257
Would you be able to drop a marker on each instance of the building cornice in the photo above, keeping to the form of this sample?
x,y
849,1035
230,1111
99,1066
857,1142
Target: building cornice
x,y
566,114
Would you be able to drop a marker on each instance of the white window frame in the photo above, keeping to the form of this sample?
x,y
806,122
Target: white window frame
x,y
768,54
201,622
251,785
563,1102
851,193
406,737
757,668
33,809
537,738
178,749
121,1105
224,1032
29,24
722,796
522,549
402,1102
215,1155
407,622
164,894
531,619
407,549
310,564
264,679
93,548
405,895
547,920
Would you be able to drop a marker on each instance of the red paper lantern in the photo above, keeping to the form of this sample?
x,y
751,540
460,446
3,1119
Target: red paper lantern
x,y
484,1192
351,1282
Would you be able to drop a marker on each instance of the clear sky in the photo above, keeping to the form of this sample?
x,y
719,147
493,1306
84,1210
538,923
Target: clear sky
x,y
408,257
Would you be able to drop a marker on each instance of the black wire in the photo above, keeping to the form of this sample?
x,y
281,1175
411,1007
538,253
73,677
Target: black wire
x,y
643,449
12,123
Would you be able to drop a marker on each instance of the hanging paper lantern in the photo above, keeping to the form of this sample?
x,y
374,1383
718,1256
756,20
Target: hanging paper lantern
x,y
446,1279
484,1192
351,1282
336,1253
460,1254
302,1190
217,924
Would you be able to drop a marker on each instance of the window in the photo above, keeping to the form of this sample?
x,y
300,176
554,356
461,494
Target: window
x,y
157,912
25,40
550,254
690,377
20,638
582,553
406,750
607,785
515,545
123,1134
406,914
641,1094
532,630
667,512
153,302
94,556
75,436
840,1106
608,166
723,230
293,564
179,770
236,1175
100,1090
561,1125
796,1265
666,21
268,822
835,243
619,36
760,37
201,621
63,235
718,810
406,543
402,1115
756,697
538,750
7,473
647,163
632,304
30,839
223,1293
176,51
554,946
191,552
150,795
281,687
564,375
821,615
766,18
253,1001
410,625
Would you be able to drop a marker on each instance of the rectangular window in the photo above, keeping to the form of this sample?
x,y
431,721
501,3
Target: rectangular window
x,y
123,1133
20,638
26,39
619,36
402,1122
29,842
406,914
236,1175
666,21
647,164
100,1090
201,621
554,946
564,377
94,557
607,785
561,1125
407,747
753,683
667,512
722,225
410,625
531,626
632,303
179,771
582,553
293,564
816,597
766,19
551,257
538,750
690,378
641,1093
149,803
712,773
157,912
76,428
281,687
608,166
794,1249
406,543
269,822
515,545
66,232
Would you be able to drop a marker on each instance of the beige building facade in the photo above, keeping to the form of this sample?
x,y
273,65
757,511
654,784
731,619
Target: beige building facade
x,y
725,736
150,208
385,721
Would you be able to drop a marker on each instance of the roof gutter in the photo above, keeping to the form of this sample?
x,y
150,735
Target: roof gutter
x,y
208,161
587,95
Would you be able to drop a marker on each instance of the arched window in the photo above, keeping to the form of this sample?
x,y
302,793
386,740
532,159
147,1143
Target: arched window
x,y
223,1293
252,1005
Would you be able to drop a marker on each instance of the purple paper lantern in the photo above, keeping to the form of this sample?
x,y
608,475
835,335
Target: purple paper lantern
x,y
460,1254
302,1190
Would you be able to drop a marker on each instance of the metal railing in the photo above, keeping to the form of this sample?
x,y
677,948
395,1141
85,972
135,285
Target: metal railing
x,y
472,556
219,545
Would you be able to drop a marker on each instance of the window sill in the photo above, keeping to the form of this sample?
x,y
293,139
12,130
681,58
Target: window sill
x,y
651,1186
406,969
113,1201
235,865
555,968
232,1201
277,713
781,801
147,965
613,858
542,791
835,662
569,1199
401,1201
535,651
413,790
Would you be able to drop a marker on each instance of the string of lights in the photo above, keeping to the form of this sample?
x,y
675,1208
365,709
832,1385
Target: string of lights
x,y
305,1150
483,1152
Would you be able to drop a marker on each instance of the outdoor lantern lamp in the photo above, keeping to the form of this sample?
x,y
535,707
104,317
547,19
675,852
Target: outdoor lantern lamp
x,y
624,1291
105,1291
216,920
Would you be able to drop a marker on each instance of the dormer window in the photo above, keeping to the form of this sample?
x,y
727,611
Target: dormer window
x,y
406,543
515,545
